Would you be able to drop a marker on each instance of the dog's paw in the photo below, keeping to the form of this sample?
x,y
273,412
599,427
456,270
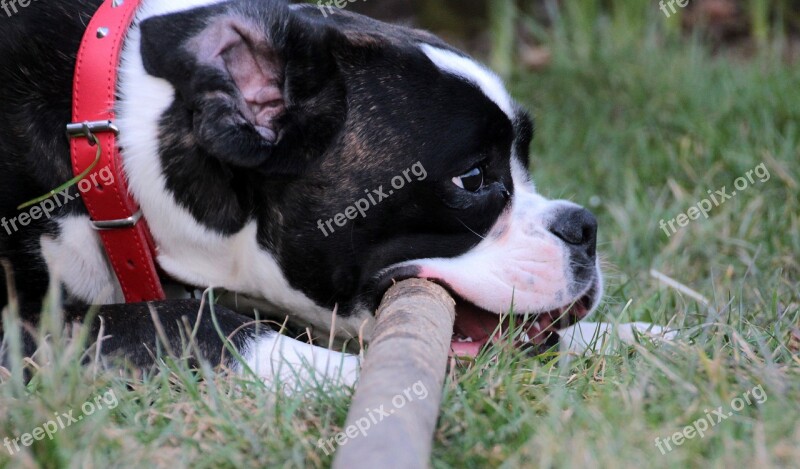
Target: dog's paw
x,y
629,332
593,337
298,367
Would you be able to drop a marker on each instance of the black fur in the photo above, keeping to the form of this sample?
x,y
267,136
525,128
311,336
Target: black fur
x,y
363,103
128,332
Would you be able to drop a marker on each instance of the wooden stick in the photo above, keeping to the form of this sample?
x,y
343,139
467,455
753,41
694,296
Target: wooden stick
x,y
395,408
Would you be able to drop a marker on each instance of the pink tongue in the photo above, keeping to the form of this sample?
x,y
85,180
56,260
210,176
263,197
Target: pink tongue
x,y
478,325
474,322
465,349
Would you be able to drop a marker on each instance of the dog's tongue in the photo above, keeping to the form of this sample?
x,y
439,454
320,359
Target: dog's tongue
x,y
475,327
472,329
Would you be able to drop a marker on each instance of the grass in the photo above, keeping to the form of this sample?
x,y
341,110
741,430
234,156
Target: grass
x,y
639,128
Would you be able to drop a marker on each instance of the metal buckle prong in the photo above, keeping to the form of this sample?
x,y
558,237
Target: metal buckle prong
x,y
129,222
88,129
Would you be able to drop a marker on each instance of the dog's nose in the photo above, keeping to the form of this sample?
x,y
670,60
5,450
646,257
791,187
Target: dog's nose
x,y
577,227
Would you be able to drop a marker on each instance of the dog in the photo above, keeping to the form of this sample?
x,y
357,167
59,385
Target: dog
x,y
301,159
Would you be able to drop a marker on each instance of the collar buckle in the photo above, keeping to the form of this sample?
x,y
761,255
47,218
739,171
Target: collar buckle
x,y
89,128
109,225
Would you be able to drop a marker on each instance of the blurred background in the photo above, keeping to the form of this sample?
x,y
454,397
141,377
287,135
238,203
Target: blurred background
x,y
505,32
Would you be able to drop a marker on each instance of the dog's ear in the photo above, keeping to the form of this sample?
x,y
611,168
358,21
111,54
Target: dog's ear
x,y
229,73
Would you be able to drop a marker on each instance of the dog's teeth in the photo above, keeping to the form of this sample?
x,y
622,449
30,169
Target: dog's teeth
x,y
463,339
537,325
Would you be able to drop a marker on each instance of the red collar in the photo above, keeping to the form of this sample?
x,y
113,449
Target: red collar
x,y
115,214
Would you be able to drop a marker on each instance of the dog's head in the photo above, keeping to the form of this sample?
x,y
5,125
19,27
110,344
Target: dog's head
x,y
351,154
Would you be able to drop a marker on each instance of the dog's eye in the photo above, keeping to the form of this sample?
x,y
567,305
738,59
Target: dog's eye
x,y
471,181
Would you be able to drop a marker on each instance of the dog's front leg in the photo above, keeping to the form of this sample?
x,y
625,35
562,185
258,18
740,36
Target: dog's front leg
x,y
294,365
137,333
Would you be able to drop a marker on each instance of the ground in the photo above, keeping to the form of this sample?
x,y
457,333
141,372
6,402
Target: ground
x,y
638,127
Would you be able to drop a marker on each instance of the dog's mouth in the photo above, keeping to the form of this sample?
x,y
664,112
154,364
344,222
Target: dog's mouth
x,y
476,327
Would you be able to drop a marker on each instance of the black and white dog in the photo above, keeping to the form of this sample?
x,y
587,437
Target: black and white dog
x,y
304,159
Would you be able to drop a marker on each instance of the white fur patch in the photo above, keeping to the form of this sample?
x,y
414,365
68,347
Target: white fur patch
x,y
520,261
77,259
294,365
465,68
150,8
187,250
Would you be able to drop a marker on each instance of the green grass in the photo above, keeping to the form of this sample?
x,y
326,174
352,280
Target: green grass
x,y
639,128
